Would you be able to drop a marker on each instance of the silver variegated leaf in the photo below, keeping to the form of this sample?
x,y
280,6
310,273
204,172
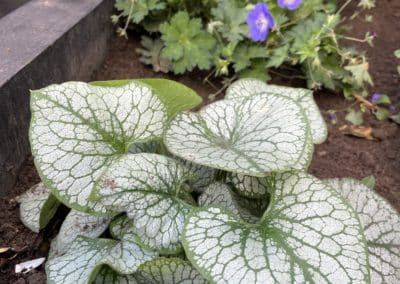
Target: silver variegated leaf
x,y
108,276
119,225
251,136
85,256
250,87
220,194
381,228
144,147
167,271
309,234
248,186
147,187
37,207
201,176
77,224
77,130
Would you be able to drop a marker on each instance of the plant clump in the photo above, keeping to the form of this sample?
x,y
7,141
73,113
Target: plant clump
x,y
258,39
159,194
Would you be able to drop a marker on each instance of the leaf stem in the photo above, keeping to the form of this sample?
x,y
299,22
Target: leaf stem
x,y
343,7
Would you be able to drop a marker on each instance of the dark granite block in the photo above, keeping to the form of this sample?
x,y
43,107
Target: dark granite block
x,y
43,42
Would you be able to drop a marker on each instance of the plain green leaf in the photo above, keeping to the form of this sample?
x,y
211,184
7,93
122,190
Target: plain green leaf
x,y
256,70
138,9
369,182
151,54
395,118
383,99
355,117
186,43
279,55
175,96
244,53
233,19
360,73
382,113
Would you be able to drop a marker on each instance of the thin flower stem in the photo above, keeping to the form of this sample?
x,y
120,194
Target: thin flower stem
x,y
352,38
212,97
343,7
287,76
129,16
206,79
341,109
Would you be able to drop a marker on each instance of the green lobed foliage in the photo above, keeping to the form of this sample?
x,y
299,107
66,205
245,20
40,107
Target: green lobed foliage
x,y
213,35
221,195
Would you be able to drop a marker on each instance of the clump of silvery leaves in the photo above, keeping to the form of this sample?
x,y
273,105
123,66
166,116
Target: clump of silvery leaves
x,y
161,194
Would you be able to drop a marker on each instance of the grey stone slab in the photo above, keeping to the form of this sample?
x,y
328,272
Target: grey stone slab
x,y
44,42
6,6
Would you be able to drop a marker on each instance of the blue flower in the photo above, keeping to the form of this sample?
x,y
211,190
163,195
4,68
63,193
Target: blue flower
x,y
260,22
375,98
289,4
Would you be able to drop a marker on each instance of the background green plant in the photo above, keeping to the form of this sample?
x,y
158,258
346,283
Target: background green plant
x,y
213,35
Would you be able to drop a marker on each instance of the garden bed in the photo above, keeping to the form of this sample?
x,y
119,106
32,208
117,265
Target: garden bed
x,y
340,156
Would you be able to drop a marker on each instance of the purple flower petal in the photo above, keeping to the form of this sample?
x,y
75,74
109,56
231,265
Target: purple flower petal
x,y
392,108
375,97
289,4
260,22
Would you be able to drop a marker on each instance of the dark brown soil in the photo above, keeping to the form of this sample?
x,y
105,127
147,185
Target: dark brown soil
x,y
339,156
25,244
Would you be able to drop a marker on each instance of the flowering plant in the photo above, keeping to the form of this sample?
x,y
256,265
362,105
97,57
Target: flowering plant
x,y
216,196
250,39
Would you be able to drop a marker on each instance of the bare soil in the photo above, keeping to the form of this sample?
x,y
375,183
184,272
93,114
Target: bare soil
x,y
339,156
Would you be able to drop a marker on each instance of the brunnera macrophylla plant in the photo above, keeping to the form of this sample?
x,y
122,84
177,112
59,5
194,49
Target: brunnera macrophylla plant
x,y
160,194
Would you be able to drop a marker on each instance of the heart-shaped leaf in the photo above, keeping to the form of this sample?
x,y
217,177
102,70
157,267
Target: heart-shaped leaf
x,y
148,188
85,256
175,96
119,226
77,130
37,207
248,186
168,270
381,228
309,234
220,194
108,276
155,271
251,136
250,87
201,176
77,224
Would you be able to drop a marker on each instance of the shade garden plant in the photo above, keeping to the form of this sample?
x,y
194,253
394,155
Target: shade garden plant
x,y
231,38
161,194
